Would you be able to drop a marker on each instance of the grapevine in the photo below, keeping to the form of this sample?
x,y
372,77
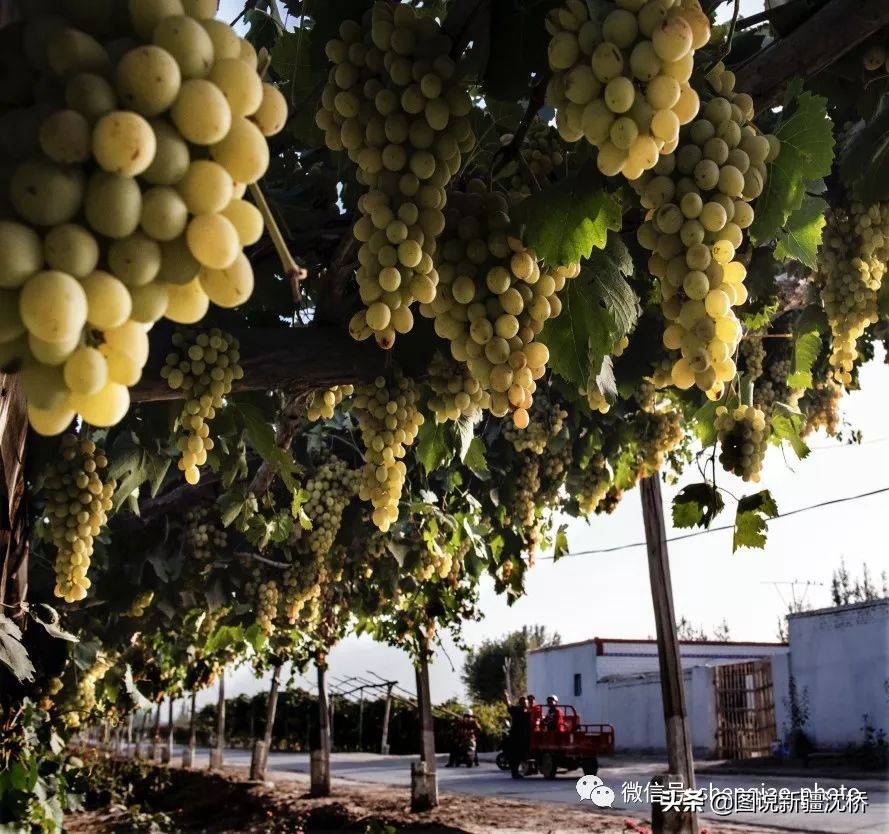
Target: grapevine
x,y
389,420
621,77
124,181
329,490
77,501
395,103
203,368
743,436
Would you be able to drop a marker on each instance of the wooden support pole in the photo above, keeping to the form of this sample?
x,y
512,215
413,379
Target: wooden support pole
x,y
261,748
387,714
679,753
320,756
424,775
217,754
189,749
167,749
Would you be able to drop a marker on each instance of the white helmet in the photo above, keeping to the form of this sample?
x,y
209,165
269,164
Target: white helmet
x,y
553,698
468,711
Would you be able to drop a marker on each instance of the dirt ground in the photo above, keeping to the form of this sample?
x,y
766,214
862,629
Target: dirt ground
x,y
199,801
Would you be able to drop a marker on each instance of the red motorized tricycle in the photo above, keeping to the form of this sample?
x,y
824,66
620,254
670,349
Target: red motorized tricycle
x,y
560,741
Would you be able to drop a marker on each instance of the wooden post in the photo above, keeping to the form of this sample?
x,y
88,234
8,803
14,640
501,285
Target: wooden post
x,y
424,777
154,750
387,713
217,754
189,750
261,748
361,720
137,753
129,734
680,761
320,756
167,749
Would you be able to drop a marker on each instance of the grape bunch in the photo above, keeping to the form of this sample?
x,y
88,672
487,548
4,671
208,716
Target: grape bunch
x,y
329,490
493,299
540,154
743,435
203,368
132,134
545,420
300,584
324,402
698,203
267,606
754,352
139,604
389,420
554,466
875,58
521,504
85,700
621,77
821,405
455,392
394,102
657,431
852,260
594,484
204,538
77,500
608,504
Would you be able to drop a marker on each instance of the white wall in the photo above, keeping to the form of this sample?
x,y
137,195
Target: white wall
x,y
551,672
840,657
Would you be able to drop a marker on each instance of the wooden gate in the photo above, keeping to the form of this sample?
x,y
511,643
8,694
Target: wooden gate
x,y
745,709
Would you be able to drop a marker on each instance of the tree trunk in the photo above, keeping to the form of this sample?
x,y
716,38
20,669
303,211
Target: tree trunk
x,y
217,754
679,753
320,756
261,748
189,750
140,736
387,712
153,751
424,777
167,749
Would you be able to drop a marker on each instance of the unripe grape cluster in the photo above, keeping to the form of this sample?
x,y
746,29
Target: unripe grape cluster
x,y
594,485
545,420
852,260
540,154
77,500
267,606
521,504
323,403
394,102
132,137
657,430
140,603
203,368
300,587
204,537
698,203
754,353
621,77
821,405
493,299
389,420
455,392
330,489
743,436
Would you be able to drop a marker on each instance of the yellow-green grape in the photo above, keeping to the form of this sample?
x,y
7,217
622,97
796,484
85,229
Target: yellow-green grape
x,y
521,502
100,146
620,77
389,420
203,367
545,421
541,153
743,435
394,102
267,607
876,58
852,260
493,299
657,430
329,490
323,402
77,500
699,201
456,393
821,405
204,537
754,353
301,586
139,604
594,484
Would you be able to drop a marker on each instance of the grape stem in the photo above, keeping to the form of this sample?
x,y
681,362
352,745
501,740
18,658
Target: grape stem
x,y
535,102
748,393
266,561
728,38
292,270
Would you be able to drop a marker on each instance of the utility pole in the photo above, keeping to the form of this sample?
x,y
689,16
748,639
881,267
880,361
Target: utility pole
x,y
217,754
361,719
424,776
320,757
680,761
387,712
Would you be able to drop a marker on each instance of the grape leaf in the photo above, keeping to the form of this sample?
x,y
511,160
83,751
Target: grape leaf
x,y
864,163
131,465
475,458
801,236
806,154
434,445
13,654
806,349
697,505
786,425
560,542
751,520
565,222
705,423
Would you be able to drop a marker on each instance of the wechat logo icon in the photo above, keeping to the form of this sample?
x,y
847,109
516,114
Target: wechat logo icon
x,y
594,789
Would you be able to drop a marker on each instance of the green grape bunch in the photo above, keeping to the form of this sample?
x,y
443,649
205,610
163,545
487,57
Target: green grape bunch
x,y
77,500
324,402
139,605
396,104
743,435
389,420
593,487
455,392
203,368
545,421
204,537
621,77
329,490
267,597
130,131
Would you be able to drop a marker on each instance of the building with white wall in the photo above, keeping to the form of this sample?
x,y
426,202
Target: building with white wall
x,y
839,658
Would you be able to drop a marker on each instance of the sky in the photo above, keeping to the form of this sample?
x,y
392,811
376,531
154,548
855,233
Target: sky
x,y
608,595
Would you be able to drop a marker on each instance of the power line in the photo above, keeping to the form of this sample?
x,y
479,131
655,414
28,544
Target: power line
x,y
684,536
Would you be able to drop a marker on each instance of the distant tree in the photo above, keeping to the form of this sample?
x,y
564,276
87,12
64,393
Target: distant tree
x,y
722,632
687,631
501,664
846,589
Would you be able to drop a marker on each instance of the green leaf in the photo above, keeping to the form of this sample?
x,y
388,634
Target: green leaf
x,y
864,164
704,422
697,505
13,654
565,222
256,637
801,236
560,542
751,520
434,445
261,436
806,154
806,349
300,496
475,459
131,465
786,425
